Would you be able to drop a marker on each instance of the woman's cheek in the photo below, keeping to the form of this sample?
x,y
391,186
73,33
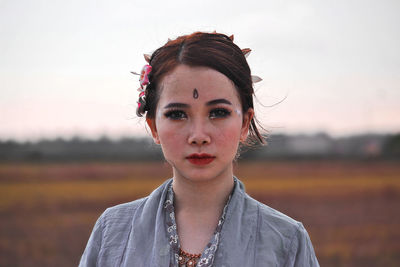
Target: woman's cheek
x,y
171,139
229,137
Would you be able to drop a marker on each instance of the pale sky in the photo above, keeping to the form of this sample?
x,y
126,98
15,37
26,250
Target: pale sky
x,y
65,65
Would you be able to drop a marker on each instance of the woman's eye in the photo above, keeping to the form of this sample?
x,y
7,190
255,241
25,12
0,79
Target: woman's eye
x,y
219,113
175,115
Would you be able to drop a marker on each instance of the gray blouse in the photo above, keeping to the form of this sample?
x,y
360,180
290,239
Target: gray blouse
x,y
253,234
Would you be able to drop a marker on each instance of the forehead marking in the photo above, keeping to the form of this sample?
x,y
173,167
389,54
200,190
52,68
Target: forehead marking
x,y
195,93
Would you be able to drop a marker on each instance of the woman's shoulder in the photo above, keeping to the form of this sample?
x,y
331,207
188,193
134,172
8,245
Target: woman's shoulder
x,y
122,212
271,218
276,217
286,233
268,217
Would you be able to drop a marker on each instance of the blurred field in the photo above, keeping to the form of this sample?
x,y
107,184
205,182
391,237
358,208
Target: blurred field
x,y
350,209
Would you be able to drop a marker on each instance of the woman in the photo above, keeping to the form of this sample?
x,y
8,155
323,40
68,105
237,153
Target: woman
x,y
196,93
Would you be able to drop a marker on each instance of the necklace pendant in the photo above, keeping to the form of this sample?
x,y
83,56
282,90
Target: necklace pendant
x,y
191,263
181,260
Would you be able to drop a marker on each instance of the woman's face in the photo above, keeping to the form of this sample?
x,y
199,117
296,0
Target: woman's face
x,y
199,122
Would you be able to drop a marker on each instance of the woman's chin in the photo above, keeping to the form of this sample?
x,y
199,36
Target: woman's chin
x,y
202,174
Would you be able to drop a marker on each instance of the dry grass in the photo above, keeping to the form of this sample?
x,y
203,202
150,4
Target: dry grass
x,y
349,208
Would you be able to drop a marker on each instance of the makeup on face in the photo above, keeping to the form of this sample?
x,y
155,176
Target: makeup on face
x,y
195,93
178,111
199,136
200,159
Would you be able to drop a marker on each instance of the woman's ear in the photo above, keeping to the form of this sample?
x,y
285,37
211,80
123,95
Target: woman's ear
x,y
152,125
247,117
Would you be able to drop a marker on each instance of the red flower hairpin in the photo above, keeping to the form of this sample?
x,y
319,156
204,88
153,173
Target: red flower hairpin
x,y
144,81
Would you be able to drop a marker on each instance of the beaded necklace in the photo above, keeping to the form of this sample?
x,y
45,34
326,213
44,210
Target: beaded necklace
x,y
186,259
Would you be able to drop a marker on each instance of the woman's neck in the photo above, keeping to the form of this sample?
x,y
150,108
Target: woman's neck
x,y
198,207
201,196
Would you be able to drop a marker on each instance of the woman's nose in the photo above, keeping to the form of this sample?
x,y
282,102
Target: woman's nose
x,y
199,134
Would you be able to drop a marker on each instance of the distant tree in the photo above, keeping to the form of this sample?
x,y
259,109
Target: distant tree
x,y
391,147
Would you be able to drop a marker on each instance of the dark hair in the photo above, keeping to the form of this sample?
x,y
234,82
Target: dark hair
x,y
213,50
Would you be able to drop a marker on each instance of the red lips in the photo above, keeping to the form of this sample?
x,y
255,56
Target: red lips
x,y
200,159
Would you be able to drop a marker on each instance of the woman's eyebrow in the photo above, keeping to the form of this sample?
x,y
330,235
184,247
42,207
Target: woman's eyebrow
x,y
176,105
218,101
